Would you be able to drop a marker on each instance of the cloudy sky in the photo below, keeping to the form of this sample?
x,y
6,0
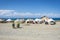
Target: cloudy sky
x,y
29,8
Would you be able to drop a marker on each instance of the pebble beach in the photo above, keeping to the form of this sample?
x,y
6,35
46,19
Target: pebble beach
x,y
30,32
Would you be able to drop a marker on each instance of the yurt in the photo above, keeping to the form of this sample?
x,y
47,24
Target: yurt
x,y
9,20
17,20
38,21
22,21
1,20
50,21
29,21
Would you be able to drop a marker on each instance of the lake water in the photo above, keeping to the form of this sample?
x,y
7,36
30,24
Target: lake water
x,y
27,18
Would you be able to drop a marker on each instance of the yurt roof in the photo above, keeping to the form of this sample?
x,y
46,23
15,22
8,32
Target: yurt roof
x,y
37,19
17,20
8,20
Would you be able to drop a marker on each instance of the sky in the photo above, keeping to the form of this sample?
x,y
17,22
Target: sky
x,y
29,8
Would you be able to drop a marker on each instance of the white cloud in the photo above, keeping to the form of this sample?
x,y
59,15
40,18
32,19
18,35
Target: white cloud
x,y
6,12
13,13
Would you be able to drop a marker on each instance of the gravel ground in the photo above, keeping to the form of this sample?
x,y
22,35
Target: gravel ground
x,y
30,32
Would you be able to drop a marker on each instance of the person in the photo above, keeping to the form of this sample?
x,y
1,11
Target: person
x,y
16,24
13,25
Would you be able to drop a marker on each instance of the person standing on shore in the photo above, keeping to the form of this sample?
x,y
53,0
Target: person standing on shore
x,y
13,25
16,24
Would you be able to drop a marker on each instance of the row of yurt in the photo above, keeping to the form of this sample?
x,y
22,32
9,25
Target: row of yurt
x,y
29,21
20,20
43,19
10,20
34,21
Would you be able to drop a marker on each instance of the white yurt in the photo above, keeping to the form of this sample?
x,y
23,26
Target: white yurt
x,y
17,21
1,20
29,21
51,21
37,20
9,20
22,21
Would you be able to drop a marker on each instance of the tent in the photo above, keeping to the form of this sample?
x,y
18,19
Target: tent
x,y
8,20
1,20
